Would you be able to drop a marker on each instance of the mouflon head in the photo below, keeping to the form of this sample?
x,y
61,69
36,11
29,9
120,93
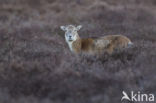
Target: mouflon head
x,y
71,32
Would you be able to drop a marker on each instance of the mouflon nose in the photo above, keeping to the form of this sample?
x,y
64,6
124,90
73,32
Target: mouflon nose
x,y
70,36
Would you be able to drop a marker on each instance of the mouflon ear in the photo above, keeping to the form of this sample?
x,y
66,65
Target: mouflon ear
x,y
63,28
79,27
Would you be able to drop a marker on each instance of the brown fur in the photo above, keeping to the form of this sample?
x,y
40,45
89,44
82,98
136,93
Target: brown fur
x,y
91,45
117,42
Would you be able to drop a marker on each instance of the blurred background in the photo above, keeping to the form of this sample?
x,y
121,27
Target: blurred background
x,y
36,65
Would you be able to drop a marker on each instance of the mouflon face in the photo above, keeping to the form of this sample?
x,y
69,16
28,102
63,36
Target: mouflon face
x,y
71,32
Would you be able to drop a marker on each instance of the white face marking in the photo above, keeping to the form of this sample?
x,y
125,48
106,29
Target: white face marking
x,y
71,34
70,45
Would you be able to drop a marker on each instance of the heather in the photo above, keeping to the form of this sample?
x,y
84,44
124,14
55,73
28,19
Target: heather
x,y
36,65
